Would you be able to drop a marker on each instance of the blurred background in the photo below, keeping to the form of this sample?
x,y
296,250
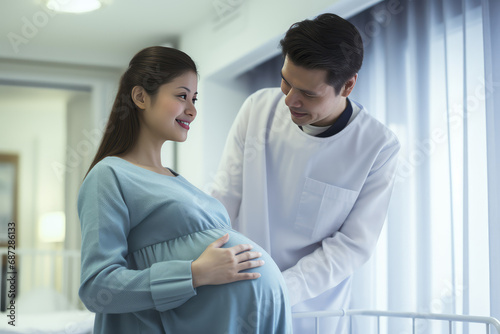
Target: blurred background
x,y
430,73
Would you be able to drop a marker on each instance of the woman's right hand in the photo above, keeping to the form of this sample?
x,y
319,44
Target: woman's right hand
x,y
218,265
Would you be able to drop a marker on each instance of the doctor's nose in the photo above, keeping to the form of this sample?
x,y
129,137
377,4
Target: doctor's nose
x,y
292,99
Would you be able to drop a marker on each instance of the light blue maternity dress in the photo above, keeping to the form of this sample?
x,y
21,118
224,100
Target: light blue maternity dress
x,y
140,232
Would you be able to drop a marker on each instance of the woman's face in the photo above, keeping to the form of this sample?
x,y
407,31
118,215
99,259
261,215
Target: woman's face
x,y
168,115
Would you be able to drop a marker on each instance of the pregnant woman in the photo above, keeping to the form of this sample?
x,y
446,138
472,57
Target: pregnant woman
x,y
158,254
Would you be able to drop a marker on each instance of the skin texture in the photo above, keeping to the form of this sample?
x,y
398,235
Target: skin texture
x,y
308,96
158,117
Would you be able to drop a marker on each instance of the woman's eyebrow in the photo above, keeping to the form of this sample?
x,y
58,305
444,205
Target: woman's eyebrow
x,y
189,90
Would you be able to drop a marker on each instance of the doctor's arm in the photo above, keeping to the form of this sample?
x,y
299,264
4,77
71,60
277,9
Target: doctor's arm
x,y
352,245
228,182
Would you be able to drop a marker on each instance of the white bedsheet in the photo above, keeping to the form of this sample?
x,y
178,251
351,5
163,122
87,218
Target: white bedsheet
x,y
44,311
60,322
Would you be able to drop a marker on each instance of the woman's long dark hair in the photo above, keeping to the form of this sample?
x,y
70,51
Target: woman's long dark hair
x,y
149,68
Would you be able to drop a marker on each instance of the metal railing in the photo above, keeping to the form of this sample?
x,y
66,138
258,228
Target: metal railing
x,y
36,268
489,322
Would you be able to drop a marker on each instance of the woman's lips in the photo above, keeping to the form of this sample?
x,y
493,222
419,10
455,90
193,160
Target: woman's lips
x,y
184,124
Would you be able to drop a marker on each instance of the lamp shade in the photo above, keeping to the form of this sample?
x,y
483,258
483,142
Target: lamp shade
x,y
52,227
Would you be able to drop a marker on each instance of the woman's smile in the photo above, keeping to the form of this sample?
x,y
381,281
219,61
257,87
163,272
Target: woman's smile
x,y
184,124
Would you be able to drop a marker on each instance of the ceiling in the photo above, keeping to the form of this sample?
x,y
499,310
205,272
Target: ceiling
x,y
107,37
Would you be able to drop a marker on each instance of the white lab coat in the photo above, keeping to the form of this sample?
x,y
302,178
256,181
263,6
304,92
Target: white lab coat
x,y
317,205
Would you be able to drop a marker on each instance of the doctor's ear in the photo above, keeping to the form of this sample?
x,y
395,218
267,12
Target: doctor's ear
x,y
139,95
349,86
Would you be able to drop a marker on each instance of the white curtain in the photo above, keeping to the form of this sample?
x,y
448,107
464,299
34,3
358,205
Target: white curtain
x,y
431,73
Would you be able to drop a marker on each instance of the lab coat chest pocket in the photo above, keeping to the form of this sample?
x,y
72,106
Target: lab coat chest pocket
x,y
322,209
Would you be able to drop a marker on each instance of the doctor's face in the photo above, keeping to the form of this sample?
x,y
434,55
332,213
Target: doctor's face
x,y
310,99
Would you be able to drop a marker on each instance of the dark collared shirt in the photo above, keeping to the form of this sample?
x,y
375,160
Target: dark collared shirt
x,y
339,124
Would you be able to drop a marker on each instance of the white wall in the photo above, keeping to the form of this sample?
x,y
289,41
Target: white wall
x,y
246,34
35,130
79,151
102,84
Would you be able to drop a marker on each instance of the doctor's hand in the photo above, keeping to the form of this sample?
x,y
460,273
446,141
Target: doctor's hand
x,y
218,265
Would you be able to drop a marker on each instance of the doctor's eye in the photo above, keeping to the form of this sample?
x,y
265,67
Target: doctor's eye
x,y
285,88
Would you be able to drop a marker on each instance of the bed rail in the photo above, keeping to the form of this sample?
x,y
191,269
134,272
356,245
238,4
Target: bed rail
x,y
58,270
489,322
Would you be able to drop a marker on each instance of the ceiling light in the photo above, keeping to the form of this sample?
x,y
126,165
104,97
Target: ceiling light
x,y
73,6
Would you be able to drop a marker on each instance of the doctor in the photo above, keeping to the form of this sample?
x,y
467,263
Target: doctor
x,y
308,173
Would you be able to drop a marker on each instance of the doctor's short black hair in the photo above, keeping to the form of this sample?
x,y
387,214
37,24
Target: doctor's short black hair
x,y
327,42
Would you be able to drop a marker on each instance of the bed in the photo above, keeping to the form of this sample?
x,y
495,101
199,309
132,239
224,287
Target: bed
x,y
45,284
39,293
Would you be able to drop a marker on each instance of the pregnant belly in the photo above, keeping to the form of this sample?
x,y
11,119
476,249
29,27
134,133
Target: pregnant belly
x,y
270,274
245,304
190,247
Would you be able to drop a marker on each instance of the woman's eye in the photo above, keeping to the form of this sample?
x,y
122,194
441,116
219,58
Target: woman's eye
x,y
194,100
183,96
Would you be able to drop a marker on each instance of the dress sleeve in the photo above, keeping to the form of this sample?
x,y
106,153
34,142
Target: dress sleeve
x,y
350,247
107,285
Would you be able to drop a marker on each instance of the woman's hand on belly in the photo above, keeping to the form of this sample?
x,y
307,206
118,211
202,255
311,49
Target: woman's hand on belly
x,y
218,265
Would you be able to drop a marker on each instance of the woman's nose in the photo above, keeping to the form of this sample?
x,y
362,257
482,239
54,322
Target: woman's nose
x,y
191,110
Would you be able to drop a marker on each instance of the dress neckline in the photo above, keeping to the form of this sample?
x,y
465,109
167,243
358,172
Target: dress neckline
x,y
145,169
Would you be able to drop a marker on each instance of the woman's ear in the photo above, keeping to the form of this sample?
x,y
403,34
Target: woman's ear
x,y
139,97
